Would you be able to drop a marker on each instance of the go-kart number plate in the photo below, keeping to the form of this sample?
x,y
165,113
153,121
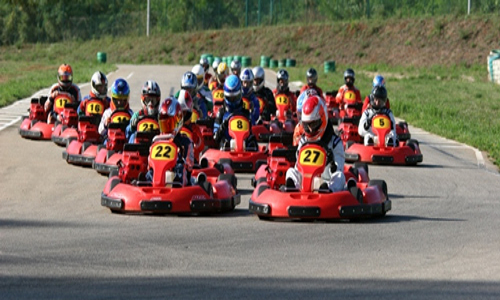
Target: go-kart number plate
x,y
94,108
349,96
282,100
246,103
218,95
381,122
61,102
120,119
163,151
312,157
239,124
147,126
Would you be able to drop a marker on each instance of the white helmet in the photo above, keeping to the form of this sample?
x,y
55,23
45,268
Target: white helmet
x,y
259,78
99,85
216,63
200,75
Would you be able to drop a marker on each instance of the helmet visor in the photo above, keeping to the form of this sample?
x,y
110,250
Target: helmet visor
x,y
257,81
65,78
151,101
312,127
233,99
120,102
102,89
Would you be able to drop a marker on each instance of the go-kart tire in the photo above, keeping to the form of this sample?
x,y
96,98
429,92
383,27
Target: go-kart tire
x,y
203,163
380,183
348,144
218,166
85,146
226,161
101,146
229,178
69,140
113,173
207,186
403,125
113,183
356,192
109,154
411,143
363,165
259,163
63,128
261,189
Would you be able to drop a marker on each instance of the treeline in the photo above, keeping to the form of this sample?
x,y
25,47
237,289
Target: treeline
x,y
32,21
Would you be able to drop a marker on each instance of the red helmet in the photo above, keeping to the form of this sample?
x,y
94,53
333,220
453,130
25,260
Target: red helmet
x,y
314,118
65,76
170,116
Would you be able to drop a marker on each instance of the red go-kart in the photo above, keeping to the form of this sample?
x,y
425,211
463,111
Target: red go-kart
x,y
163,194
309,202
82,150
108,155
35,125
405,153
238,155
66,128
332,107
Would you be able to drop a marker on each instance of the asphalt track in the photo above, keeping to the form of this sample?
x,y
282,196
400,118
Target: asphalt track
x,y
439,241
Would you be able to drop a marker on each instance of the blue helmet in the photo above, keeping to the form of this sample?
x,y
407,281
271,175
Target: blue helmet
x,y
120,92
246,78
232,91
378,80
189,83
303,96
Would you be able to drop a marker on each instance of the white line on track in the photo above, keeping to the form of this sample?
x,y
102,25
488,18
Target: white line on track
x,y
10,123
130,75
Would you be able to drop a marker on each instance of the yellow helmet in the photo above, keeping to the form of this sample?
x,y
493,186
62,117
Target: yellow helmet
x,y
222,71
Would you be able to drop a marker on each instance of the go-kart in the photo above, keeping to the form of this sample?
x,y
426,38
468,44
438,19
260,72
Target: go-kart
x,y
237,154
211,194
310,201
108,155
35,125
404,153
66,128
348,125
82,150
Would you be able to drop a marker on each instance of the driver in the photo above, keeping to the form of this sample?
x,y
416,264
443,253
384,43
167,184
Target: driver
x,y
377,106
318,130
64,85
150,100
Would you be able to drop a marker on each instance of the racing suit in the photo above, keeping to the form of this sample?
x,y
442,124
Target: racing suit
x,y
365,126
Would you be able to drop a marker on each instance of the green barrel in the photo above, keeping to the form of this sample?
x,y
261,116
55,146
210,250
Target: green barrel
x,y
290,62
282,63
101,57
229,59
329,66
273,63
246,61
264,61
210,59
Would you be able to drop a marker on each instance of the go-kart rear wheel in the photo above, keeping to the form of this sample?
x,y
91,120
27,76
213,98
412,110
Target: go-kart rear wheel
x,y
358,165
109,154
69,140
229,178
348,144
380,183
112,173
412,143
85,146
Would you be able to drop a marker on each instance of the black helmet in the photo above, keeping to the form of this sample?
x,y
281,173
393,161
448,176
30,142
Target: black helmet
x,y
380,93
312,76
282,76
349,73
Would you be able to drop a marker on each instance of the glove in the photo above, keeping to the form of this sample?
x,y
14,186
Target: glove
x,y
54,94
368,124
133,123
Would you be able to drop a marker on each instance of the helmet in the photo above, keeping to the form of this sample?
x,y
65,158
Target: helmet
x,y
216,63
314,118
349,73
236,67
99,85
189,82
186,103
303,96
150,96
311,76
378,80
200,75
120,93
65,76
204,63
378,93
282,81
232,91
259,78
170,116
247,80
222,72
